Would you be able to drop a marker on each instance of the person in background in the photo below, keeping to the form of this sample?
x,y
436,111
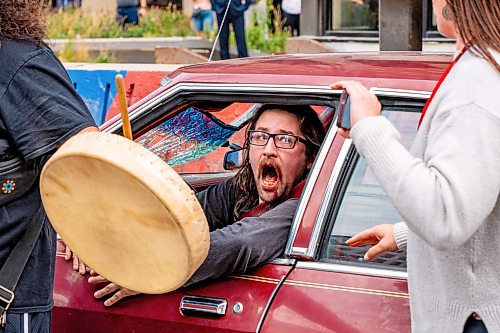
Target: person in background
x,y
290,9
202,17
127,11
447,188
39,110
235,16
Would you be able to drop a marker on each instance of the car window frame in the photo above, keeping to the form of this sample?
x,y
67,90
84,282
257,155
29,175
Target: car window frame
x,y
183,93
308,257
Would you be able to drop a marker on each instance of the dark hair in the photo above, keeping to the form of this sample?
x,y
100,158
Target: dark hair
x,y
23,20
477,22
310,126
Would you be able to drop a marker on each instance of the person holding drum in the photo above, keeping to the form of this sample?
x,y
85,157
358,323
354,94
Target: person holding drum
x,y
249,216
39,110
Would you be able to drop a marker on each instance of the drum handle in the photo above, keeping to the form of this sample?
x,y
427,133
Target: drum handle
x,y
122,102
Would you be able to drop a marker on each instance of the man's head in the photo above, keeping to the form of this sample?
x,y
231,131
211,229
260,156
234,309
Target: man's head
x,y
282,142
22,20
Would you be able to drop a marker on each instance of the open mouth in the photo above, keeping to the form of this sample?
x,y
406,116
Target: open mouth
x,y
269,177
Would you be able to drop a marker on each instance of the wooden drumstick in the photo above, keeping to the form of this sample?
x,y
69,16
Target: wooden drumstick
x,y
122,102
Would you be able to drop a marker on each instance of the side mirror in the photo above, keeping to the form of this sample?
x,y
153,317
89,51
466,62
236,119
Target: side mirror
x,y
234,158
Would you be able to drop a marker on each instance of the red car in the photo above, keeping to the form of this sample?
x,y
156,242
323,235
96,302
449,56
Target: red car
x,y
319,284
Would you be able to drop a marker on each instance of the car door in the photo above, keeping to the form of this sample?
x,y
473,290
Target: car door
x,y
237,303
331,288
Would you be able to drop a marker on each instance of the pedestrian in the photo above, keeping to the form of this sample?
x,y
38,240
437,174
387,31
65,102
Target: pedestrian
x,y
235,16
39,110
447,186
127,11
291,16
202,17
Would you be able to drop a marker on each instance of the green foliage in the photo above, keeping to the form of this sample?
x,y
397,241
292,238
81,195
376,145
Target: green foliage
x,y
72,23
260,37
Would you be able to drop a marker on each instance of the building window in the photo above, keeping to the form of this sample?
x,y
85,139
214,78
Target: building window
x,y
360,18
354,14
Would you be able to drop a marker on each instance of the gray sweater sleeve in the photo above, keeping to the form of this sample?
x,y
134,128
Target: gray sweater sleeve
x,y
445,196
401,235
247,244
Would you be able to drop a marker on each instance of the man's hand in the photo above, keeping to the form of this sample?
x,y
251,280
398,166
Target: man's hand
x,y
381,237
119,292
78,265
363,103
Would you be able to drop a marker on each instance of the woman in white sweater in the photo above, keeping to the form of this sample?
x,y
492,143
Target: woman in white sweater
x,y
447,187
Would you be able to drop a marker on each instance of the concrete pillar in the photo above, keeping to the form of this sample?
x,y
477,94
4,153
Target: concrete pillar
x,y
187,7
97,7
400,23
310,18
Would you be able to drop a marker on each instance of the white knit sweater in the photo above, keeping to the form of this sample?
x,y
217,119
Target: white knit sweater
x,y
447,189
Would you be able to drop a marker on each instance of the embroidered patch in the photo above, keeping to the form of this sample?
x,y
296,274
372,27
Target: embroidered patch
x,y
8,186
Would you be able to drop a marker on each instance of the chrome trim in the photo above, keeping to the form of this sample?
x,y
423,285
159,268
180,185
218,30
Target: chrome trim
x,y
352,269
324,207
307,192
210,87
388,92
269,302
299,251
200,305
237,308
284,261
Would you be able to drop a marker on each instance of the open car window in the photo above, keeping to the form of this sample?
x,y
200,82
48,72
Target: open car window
x,y
362,202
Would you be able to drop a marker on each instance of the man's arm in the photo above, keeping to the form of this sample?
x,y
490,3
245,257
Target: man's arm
x,y
247,244
237,248
217,202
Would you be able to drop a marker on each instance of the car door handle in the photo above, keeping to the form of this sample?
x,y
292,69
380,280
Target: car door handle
x,y
203,306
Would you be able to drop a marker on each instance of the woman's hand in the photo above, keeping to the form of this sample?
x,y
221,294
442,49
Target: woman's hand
x,y
381,237
111,288
363,103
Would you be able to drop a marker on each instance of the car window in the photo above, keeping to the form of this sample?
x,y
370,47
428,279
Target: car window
x,y
362,202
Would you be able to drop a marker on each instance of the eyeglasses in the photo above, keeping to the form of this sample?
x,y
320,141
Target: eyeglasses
x,y
284,141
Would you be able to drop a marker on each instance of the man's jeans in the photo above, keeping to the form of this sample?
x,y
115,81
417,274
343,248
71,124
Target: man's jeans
x,y
127,15
37,322
238,23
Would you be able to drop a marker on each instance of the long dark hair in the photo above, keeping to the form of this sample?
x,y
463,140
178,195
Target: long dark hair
x,y
23,20
310,126
477,23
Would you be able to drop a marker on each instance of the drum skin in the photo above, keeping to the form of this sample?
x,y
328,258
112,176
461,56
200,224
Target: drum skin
x,y
124,212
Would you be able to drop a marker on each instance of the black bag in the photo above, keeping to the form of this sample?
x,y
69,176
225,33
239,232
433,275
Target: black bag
x,y
196,12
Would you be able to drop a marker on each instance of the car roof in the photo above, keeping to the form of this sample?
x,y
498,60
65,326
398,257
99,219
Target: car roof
x,y
399,70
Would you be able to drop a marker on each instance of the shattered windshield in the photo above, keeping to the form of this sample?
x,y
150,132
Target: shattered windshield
x,y
187,136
